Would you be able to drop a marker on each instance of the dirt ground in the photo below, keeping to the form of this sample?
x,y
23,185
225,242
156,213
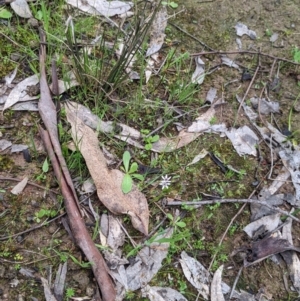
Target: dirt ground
x,y
211,22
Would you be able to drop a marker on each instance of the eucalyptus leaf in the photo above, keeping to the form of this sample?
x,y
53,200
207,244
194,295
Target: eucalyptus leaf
x,y
126,160
127,183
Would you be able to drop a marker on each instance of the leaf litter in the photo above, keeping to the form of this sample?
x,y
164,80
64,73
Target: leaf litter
x,y
139,274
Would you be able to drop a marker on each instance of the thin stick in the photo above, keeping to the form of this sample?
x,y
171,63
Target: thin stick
x,y
223,201
248,89
30,183
235,282
194,38
245,52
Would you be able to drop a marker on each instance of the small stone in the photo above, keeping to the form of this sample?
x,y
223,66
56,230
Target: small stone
x,y
90,291
33,22
82,279
52,229
15,56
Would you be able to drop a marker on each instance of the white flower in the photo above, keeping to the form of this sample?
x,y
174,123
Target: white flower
x,y
165,182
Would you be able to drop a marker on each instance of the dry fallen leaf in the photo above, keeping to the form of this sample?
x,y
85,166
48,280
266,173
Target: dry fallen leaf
x,y
19,92
21,8
108,182
20,186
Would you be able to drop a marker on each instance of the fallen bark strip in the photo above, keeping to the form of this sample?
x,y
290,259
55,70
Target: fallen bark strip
x,y
222,201
50,138
79,230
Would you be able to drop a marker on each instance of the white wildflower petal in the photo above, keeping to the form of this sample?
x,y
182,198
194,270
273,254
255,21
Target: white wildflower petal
x,y
165,182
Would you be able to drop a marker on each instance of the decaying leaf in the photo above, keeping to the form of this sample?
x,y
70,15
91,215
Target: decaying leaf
x,y
59,283
242,29
228,62
196,274
69,82
269,223
20,186
265,107
199,73
156,293
102,7
157,33
290,257
47,291
21,8
20,91
4,144
216,286
198,157
270,245
244,140
148,261
108,182
291,160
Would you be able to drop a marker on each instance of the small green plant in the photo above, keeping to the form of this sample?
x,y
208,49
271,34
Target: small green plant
x,y
17,266
44,213
18,257
268,32
130,171
182,286
296,55
45,169
70,292
171,4
176,222
149,139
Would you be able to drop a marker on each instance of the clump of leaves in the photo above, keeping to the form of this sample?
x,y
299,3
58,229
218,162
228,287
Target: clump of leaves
x,y
130,172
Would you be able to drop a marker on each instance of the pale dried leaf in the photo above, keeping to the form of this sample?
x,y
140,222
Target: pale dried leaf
x,y
269,222
265,107
171,144
291,160
148,262
228,62
108,182
20,186
157,33
274,37
196,274
290,257
69,82
116,236
4,144
59,283
19,92
102,7
244,140
21,8
156,293
211,95
47,291
31,106
242,29
198,157
18,148
199,75
216,286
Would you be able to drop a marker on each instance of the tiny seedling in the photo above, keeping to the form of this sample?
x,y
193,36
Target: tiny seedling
x,y
149,139
70,292
130,172
171,4
44,213
45,169
296,55
176,222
